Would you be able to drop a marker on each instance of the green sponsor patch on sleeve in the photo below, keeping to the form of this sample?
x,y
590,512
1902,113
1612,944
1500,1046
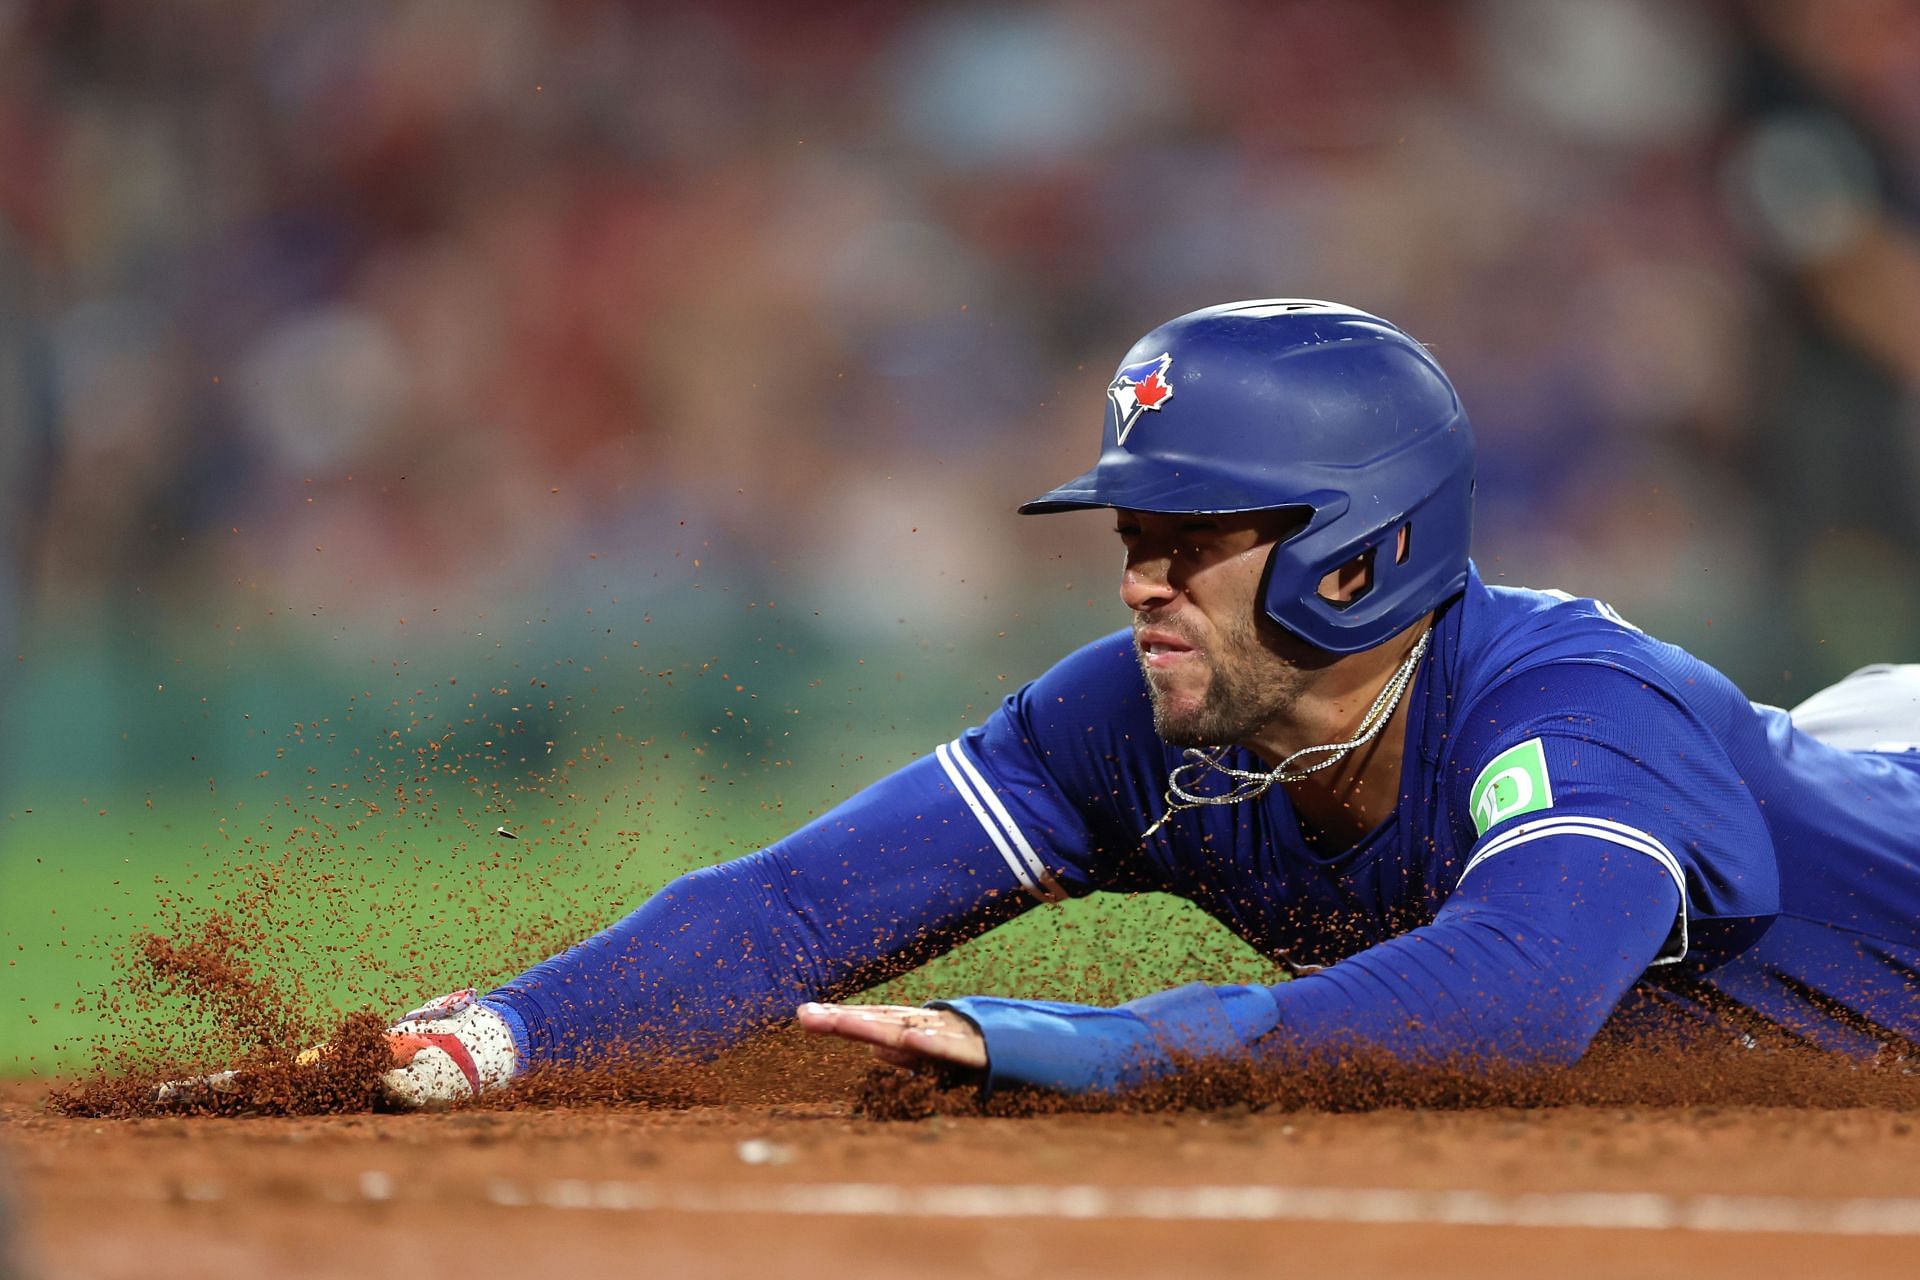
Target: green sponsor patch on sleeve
x,y
1514,782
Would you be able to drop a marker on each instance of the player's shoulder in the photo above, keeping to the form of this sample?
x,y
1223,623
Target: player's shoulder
x,y
1570,641
1531,661
1529,625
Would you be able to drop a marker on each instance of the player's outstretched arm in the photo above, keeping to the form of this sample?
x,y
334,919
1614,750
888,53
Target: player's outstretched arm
x,y
898,875
1015,813
946,848
1522,965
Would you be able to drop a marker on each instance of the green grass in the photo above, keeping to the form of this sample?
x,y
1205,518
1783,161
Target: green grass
x,y
351,908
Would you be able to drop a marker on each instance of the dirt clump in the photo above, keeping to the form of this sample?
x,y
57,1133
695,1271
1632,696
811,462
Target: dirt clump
x,y
342,1077
252,1048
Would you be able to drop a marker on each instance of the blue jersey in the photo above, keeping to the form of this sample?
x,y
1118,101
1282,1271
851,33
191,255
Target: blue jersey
x,y
1591,825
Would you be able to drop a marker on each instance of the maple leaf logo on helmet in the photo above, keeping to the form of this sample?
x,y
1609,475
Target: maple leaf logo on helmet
x,y
1136,389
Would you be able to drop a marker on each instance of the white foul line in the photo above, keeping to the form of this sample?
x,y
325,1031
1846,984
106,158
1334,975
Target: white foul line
x,y
1590,1210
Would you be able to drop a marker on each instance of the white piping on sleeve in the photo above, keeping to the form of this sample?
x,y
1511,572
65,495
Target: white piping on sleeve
x,y
1598,829
1033,860
1026,865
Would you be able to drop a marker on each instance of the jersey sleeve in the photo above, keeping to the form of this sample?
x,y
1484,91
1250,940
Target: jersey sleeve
x,y
1588,750
1008,815
1523,965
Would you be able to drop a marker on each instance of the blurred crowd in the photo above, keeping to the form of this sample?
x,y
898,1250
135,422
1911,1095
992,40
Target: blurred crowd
x,y
337,313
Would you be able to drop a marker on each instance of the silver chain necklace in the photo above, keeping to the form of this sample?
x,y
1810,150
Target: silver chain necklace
x,y
1249,783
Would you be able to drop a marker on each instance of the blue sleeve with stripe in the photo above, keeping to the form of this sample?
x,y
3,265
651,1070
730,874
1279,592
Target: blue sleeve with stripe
x,y
1590,749
1007,816
1523,964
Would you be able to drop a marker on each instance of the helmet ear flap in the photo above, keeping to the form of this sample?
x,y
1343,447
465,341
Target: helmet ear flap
x,y
1413,548
1286,607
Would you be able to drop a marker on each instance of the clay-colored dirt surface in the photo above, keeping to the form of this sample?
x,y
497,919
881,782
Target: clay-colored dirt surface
x,y
804,1188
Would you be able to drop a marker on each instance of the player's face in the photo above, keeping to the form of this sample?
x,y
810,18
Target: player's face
x,y
1218,669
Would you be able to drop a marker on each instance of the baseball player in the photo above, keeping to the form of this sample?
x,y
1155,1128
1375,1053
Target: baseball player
x,y
1474,821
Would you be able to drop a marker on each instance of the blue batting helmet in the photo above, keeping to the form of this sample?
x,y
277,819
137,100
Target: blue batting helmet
x,y
1286,402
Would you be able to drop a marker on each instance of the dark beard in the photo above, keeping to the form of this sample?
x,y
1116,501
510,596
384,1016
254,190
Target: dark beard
x,y
1247,691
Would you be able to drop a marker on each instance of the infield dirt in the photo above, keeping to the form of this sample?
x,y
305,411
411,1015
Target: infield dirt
x,y
790,1158
595,1190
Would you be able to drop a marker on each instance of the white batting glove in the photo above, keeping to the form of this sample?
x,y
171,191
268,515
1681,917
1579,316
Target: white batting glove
x,y
449,1050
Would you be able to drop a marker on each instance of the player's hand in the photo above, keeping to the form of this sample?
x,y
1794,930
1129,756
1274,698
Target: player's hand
x,y
449,1050
901,1034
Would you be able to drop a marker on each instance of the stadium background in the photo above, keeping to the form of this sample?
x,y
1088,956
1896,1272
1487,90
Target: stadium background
x,y
603,421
